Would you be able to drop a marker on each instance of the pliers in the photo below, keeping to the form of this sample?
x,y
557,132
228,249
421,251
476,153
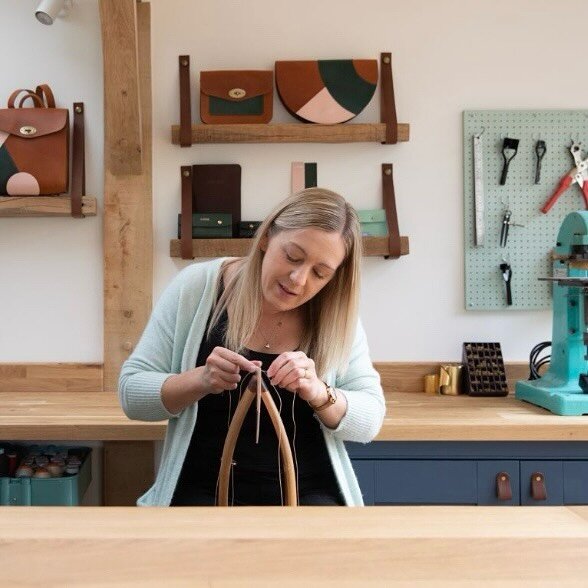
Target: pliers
x,y
578,174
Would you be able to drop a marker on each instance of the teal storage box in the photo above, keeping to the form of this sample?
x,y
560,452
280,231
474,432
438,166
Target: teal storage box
x,y
217,225
373,222
63,491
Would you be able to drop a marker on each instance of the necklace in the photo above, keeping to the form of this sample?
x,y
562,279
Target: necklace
x,y
267,340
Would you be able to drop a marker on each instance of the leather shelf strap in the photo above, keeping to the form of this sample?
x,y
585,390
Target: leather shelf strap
x,y
391,214
78,161
387,101
503,489
538,489
185,102
186,222
287,462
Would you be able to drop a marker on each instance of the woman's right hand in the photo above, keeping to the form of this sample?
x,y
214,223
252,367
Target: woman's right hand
x,y
221,370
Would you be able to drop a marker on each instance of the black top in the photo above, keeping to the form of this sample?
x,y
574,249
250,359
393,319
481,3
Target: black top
x,y
255,471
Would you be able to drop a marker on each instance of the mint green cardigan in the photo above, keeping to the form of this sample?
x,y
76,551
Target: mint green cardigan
x,y
169,345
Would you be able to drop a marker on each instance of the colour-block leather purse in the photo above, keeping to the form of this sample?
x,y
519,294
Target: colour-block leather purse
x,y
328,91
34,145
373,222
240,96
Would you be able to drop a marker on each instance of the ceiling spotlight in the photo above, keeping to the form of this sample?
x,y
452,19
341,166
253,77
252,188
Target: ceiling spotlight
x,y
49,10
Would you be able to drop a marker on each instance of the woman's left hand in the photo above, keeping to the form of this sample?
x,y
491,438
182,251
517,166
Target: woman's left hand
x,y
295,371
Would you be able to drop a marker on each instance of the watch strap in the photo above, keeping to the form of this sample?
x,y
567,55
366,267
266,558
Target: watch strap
x,y
332,398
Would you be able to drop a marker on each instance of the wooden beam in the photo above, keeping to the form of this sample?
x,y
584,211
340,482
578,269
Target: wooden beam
x,y
122,112
128,234
291,133
50,377
18,206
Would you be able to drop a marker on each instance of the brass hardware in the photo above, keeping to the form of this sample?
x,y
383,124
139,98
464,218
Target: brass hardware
x,y
386,59
27,130
186,173
78,109
387,171
237,93
219,222
184,62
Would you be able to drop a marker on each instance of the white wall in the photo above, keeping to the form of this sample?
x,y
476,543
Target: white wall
x,y
448,55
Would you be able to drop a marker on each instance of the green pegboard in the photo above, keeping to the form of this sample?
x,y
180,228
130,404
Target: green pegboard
x,y
529,248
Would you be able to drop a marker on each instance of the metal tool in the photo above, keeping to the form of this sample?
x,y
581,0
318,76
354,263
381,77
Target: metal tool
x,y
507,277
509,150
540,151
506,224
479,201
563,389
578,175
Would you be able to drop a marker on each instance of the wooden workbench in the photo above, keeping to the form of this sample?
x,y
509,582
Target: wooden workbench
x,y
273,546
410,417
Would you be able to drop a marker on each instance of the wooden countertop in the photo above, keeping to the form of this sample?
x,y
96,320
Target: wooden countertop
x,y
88,416
273,546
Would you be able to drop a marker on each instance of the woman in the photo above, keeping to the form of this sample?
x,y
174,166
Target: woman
x,y
291,307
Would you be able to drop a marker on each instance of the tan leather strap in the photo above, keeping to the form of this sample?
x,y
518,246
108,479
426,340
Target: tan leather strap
x,y
12,97
538,489
391,214
503,489
46,95
186,224
387,101
185,102
287,462
78,161
38,103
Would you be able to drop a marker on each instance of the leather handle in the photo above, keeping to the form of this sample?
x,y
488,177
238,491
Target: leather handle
x,y
12,98
186,223
291,498
538,489
78,161
185,102
387,100
391,214
45,93
503,488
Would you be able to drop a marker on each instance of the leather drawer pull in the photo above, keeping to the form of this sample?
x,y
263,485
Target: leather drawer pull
x,y
503,489
538,490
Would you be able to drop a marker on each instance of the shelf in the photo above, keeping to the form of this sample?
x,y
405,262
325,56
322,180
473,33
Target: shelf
x,y
291,133
18,206
207,248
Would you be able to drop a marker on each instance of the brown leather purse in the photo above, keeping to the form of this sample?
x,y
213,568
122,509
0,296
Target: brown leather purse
x,y
34,145
241,96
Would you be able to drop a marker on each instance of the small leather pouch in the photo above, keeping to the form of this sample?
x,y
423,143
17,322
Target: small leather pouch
x,y
34,145
241,96
209,226
327,91
373,222
247,228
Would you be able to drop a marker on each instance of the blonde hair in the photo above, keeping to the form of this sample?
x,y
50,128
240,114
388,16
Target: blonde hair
x,y
331,315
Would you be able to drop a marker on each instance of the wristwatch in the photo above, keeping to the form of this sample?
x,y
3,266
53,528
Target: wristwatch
x,y
332,398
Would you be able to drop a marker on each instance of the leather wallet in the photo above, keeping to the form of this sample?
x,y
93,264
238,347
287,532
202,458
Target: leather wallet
x,y
240,96
208,226
373,222
216,188
327,91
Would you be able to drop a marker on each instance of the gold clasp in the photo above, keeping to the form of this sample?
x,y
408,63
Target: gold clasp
x,y
237,93
27,130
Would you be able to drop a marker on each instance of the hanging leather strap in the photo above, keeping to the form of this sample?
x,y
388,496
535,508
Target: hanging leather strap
x,y
387,101
45,93
287,462
394,245
503,488
186,222
185,102
78,161
38,103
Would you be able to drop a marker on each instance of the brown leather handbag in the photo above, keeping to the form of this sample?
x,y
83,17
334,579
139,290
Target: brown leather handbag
x,y
241,96
34,145
287,461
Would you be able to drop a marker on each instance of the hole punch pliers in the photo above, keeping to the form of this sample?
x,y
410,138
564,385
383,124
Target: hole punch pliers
x,y
578,175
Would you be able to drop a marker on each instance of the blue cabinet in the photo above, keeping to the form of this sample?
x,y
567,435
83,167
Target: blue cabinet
x,y
489,473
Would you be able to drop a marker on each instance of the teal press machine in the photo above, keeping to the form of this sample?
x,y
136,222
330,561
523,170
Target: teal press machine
x,y
563,389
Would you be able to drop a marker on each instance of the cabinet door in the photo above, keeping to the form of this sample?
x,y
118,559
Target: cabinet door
x,y
575,482
425,481
365,472
552,481
488,486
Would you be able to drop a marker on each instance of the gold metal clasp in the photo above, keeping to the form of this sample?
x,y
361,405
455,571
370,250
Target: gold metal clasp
x,y
27,130
237,93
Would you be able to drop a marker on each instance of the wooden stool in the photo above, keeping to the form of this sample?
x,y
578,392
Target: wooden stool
x,y
287,463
